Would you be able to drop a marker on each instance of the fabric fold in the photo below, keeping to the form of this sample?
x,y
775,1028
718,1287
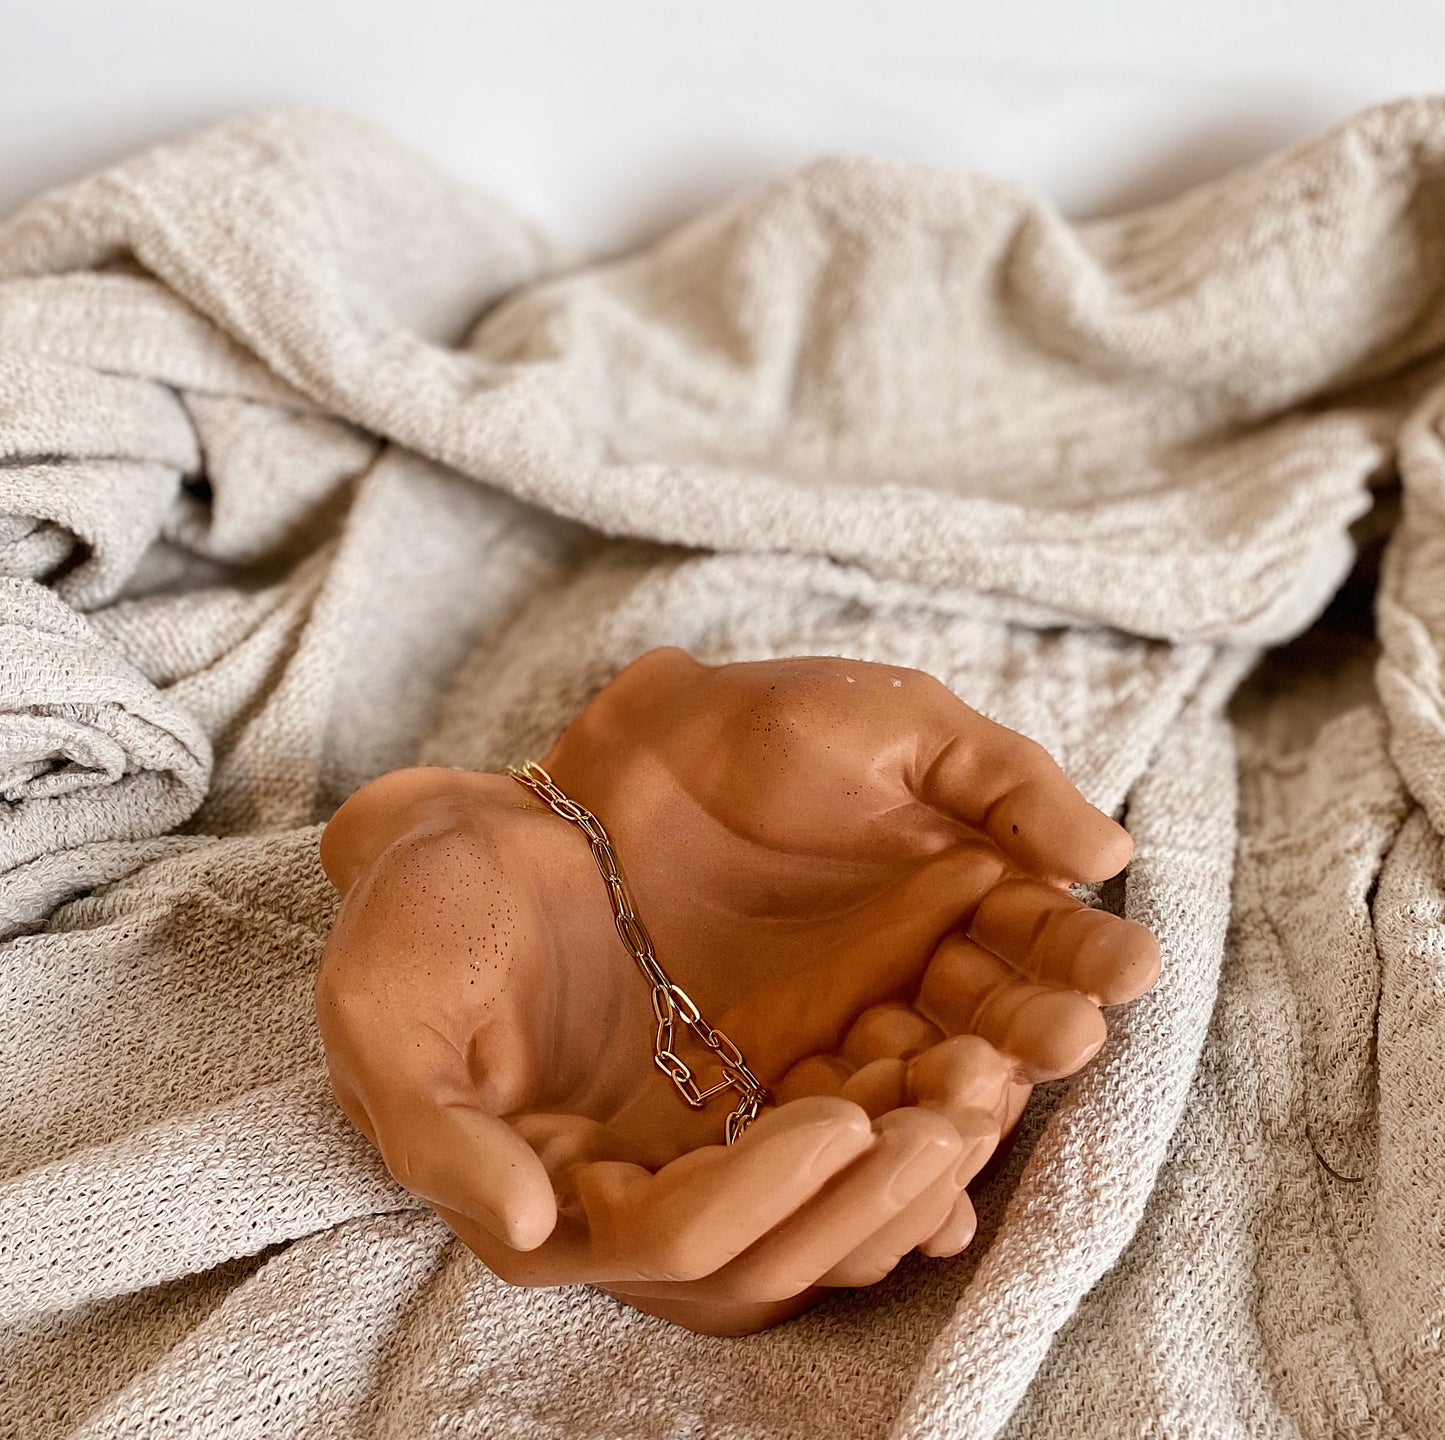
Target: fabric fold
x,y
189,1174
91,753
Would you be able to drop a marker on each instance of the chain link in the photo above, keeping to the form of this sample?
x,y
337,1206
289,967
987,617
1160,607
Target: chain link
x,y
670,1002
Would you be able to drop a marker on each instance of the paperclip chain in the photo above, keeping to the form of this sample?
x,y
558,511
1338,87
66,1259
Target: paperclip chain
x,y
670,1002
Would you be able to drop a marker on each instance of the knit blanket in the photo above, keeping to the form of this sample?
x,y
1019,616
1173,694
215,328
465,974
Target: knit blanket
x,y
316,463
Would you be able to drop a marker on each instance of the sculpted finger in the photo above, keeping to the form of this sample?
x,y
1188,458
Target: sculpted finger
x,y
457,1156
700,1211
969,1081
1048,1031
875,1258
625,1225
1011,787
563,1144
884,1031
912,1150
956,1231
1048,935
813,1075
966,1079
963,1078
444,1146
563,1258
880,1086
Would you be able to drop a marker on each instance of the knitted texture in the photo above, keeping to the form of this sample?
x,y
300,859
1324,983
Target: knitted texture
x,y
317,463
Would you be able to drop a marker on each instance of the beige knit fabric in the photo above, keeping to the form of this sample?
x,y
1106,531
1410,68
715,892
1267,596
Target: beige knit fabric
x,y
314,462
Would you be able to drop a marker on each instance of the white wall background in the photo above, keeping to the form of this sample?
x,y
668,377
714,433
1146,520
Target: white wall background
x,y
607,119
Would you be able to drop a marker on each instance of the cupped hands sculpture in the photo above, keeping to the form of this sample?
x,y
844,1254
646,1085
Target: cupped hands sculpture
x,y
859,879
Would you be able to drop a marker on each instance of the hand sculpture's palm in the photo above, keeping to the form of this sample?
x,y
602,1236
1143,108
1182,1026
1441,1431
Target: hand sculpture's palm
x,y
857,878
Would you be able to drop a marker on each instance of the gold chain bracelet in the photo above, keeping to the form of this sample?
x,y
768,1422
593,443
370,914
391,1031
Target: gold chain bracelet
x,y
670,1002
